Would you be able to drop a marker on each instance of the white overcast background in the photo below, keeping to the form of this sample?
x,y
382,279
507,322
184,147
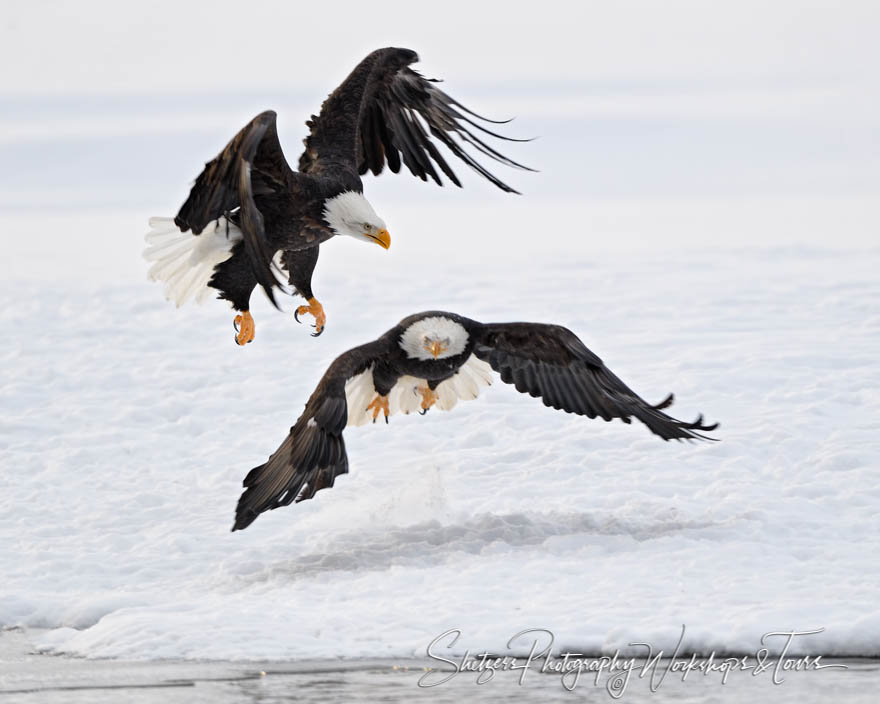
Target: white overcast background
x,y
726,122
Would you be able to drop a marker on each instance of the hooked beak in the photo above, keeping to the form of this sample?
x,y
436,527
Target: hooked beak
x,y
383,239
436,348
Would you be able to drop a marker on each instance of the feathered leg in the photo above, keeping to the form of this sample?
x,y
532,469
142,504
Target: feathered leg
x,y
300,264
384,379
235,280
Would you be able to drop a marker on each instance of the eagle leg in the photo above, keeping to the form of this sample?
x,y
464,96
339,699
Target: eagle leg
x,y
380,403
429,398
244,326
317,310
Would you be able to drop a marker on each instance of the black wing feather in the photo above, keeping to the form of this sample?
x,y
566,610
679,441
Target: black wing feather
x,y
252,164
551,362
398,113
313,454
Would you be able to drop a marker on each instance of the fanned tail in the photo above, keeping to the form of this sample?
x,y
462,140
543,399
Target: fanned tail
x,y
185,262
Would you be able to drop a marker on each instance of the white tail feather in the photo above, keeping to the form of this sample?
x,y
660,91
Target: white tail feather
x,y
185,262
405,397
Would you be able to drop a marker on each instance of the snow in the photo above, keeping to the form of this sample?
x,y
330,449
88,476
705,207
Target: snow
x,y
127,426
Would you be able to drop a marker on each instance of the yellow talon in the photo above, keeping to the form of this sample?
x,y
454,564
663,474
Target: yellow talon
x,y
315,309
380,403
429,398
244,323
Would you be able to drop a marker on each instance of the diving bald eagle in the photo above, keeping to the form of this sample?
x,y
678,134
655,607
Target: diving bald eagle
x,y
435,359
248,205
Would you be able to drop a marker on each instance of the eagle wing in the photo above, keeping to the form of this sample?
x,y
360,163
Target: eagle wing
x,y
385,112
313,454
252,164
550,361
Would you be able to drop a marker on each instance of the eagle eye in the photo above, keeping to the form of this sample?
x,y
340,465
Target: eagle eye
x,y
367,227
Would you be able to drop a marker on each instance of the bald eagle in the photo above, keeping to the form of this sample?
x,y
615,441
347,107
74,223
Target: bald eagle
x,y
249,214
433,360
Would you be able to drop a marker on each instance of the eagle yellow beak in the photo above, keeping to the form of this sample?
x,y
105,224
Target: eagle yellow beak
x,y
436,348
382,238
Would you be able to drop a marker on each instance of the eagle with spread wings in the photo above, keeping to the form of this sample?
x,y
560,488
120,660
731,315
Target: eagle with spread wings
x,y
250,217
433,360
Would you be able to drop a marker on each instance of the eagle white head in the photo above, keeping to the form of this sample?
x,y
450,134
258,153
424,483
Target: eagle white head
x,y
433,338
351,214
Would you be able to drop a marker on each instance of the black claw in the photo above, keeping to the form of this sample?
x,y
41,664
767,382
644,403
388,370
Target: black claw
x,y
296,316
319,333
423,412
234,325
235,337
386,420
250,341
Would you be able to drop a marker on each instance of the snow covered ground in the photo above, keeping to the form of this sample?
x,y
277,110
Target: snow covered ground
x,y
127,426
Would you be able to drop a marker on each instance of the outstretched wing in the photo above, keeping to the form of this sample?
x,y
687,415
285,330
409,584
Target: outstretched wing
x,y
313,454
385,112
252,164
550,361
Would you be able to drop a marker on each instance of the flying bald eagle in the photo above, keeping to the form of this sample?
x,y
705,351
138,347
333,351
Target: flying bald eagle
x,y
248,205
435,359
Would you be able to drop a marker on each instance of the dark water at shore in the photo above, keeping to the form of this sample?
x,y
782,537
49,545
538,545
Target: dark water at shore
x,y
27,677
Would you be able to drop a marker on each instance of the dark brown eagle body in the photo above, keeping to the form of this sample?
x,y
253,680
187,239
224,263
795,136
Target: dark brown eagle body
x,y
251,185
293,223
445,357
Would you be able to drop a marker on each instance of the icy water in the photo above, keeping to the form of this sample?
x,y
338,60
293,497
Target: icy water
x,y
28,677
